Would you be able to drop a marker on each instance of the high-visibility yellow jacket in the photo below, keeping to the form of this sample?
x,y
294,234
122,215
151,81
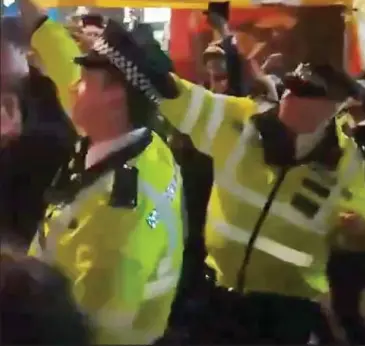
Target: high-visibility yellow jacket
x,y
290,253
124,264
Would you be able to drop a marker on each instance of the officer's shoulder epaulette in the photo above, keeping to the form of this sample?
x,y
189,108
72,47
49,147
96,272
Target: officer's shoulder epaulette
x,y
124,193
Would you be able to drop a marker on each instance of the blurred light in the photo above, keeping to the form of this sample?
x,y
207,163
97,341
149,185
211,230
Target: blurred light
x,y
81,10
127,14
157,15
8,3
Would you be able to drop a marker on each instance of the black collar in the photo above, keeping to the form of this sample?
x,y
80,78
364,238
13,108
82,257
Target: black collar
x,y
64,189
279,143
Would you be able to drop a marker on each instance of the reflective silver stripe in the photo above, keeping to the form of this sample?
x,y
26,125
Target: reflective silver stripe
x,y
282,210
352,168
168,278
160,286
239,151
165,266
264,244
227,181
163,206
215,121
193,112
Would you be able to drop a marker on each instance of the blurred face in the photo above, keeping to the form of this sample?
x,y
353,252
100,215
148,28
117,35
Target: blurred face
x,y
100,108
92,31
304,115
216,69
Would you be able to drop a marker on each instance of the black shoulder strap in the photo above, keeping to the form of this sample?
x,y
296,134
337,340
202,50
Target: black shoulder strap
x,y
117,160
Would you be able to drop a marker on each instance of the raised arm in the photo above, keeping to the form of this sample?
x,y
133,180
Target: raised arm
x,y
206,117
55,47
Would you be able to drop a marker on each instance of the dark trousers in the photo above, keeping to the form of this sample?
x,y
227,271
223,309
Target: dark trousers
x,y
346,273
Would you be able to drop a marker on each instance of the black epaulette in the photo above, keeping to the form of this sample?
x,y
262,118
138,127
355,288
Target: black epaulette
x,y
124,192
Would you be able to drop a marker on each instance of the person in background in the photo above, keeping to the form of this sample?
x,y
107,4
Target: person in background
x,y
85,28
233,71
215,64
37,307
122,238
36,137
92,25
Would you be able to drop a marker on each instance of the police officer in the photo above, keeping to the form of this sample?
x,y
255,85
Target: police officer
x,y
116,225
282,176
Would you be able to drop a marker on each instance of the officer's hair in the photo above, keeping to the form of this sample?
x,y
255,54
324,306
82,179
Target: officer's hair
x,y
36,304
142,112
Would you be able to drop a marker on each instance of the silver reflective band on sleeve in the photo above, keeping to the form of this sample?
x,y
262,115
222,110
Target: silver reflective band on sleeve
x,y
195,107
165,266
215,121
264,244
160,286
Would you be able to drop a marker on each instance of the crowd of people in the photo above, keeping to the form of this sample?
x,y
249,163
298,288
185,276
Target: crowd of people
x,y
137,207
